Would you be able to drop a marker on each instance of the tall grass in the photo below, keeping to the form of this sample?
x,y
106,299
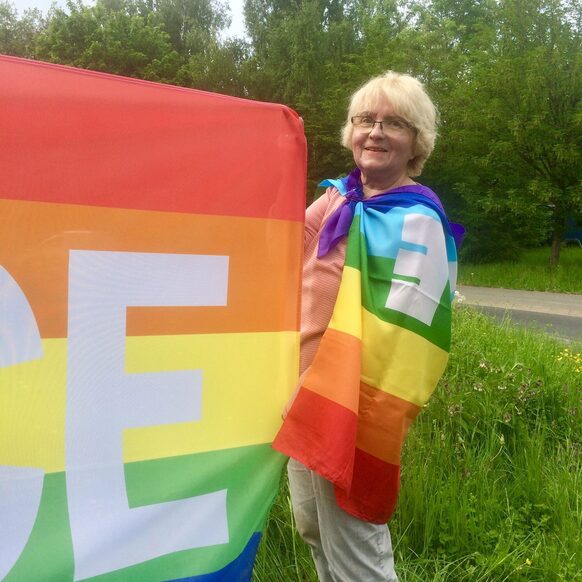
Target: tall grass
x,y
492,469
532,272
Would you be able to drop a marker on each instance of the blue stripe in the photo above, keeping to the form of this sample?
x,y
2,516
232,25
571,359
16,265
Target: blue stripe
x,y
451,248
383,230
339,184
239,570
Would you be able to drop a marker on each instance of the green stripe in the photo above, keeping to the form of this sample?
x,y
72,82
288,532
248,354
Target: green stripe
x,y
250,474
355,240
377,273
48,555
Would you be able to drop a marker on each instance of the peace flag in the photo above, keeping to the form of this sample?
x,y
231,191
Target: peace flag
x,y
150,258
383,352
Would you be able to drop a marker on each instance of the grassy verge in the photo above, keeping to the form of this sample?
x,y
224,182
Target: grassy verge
x,y
492,470
531,272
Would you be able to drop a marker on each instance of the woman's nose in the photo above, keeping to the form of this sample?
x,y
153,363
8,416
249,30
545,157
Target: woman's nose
x,y
377,129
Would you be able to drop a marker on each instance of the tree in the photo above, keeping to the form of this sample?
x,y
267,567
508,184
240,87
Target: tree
x,y
17,35
540,65
507,77
219,68
300,49
111,37
190,24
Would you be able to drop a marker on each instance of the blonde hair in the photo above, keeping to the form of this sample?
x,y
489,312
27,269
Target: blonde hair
x,y
409,100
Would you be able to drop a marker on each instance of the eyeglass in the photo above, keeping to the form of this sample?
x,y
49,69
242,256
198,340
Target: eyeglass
x,y
396,124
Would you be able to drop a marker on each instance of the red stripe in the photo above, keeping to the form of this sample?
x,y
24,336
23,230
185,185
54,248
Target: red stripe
x,y
374,491
311,432
87,138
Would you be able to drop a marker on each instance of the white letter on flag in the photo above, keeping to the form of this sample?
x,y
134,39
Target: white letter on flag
x,y
426,260
20,487
102,400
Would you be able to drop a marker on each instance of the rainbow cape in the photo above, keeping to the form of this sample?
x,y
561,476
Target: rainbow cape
x,y
384,350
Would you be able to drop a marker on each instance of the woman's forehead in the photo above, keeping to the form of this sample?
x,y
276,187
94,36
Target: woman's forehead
x,y
377,104
376,99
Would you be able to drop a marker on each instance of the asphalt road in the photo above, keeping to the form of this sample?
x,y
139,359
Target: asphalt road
x,y
558,314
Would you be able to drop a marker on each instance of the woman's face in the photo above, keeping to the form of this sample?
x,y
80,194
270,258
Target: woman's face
x,y
383,153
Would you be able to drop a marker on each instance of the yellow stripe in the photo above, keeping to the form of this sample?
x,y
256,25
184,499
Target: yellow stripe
x,y
32,410
398,361
247,379
347,313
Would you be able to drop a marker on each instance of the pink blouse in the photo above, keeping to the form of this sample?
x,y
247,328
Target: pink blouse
x,y
321,277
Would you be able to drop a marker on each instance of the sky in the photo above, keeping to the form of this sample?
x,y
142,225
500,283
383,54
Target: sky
x,y
236,11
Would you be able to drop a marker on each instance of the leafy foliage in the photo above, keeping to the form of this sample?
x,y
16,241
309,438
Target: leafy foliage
x,y
111,37
18,35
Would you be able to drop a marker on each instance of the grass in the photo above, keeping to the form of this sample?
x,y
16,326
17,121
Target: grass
x,y
531,272
491,472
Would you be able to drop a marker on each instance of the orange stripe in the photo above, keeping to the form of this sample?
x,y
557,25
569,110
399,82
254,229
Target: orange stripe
x,y
335,372
383,422
264,264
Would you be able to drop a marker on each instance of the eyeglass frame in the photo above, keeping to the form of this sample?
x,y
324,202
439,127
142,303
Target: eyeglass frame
x,y
405,124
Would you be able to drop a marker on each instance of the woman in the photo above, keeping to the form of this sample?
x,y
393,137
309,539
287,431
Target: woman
x,y
375,329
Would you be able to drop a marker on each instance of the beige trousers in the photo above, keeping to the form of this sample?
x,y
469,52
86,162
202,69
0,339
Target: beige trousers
x,y
344,548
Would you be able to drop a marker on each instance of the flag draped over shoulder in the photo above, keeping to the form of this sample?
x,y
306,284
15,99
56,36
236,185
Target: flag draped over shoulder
x,y
384,350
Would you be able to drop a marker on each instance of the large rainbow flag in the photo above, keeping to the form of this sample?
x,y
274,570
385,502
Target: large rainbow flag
x,y
384,350
150,256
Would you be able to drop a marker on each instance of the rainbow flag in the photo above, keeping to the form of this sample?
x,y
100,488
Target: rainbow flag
x,y
150,259
384,350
